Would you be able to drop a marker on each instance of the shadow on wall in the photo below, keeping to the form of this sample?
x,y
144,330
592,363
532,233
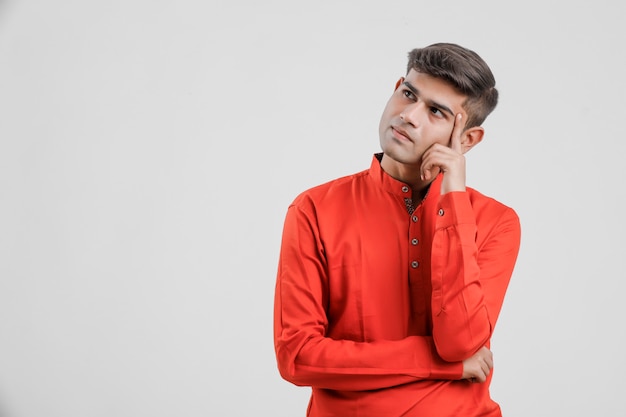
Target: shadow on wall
x,y
5,8
3,410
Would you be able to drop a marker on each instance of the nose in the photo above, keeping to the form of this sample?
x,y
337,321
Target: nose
x,y
411,113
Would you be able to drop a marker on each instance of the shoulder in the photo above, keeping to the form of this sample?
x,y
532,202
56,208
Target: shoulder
x,y
482,202
491,213
331,192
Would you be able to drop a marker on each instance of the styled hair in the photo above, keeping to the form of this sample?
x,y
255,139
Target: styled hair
x,y
465,70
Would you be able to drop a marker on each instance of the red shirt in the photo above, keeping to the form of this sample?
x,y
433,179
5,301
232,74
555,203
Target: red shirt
x,y
378,303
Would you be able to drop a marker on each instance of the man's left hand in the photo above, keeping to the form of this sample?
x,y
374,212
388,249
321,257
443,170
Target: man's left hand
x,y
447,159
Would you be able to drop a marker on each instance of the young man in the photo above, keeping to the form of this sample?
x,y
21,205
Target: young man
x,y
390,281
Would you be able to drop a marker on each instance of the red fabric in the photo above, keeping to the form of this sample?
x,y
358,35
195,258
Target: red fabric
x,y
372,332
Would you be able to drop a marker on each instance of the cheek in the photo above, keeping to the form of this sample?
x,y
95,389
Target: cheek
x,y
386,116
444,133
387,111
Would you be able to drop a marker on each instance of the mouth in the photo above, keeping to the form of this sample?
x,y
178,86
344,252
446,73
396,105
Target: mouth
x,y
400,134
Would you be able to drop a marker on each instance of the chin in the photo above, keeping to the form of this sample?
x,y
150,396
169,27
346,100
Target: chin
x,y
402,157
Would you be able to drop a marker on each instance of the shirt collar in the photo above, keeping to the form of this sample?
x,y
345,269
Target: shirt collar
x,y
395,187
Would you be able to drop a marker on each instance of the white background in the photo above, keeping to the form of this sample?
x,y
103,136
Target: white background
x,y
149,150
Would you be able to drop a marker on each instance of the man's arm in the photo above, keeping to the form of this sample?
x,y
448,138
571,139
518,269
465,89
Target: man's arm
x,y
306,356
468,281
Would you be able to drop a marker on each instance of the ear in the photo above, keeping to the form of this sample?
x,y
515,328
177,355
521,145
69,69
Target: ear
x,y
398,83
472,137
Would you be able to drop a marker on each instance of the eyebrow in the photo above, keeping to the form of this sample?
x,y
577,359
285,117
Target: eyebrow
x,y
430,102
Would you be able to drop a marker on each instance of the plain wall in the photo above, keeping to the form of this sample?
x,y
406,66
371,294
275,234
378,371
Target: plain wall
x,y
149,150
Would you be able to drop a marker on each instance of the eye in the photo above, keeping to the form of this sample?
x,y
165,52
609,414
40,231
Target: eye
x,y
408,94
436,111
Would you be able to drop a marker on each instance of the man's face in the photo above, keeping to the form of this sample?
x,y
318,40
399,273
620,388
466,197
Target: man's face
x,y
419,113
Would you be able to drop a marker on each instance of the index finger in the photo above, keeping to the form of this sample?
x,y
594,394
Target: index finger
x,y
457,130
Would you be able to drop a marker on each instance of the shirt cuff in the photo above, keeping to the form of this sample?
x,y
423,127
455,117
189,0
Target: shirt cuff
x,y
454,208
446,370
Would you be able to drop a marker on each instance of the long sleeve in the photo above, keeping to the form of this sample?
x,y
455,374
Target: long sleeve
x,y
471,270
306,355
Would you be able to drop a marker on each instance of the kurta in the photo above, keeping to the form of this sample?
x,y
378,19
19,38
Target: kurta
x,y
378,302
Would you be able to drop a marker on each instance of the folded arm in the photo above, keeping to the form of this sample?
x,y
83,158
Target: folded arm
x,y
307,356
470,274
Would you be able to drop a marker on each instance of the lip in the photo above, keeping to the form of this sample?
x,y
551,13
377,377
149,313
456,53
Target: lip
x,y
400,134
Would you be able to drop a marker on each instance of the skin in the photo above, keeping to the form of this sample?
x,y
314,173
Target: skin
x,y
422,133
477,367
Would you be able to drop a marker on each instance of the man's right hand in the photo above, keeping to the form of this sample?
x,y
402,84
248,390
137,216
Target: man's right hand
x,y
477,367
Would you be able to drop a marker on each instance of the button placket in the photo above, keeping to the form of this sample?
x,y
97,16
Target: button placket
x,y
413,249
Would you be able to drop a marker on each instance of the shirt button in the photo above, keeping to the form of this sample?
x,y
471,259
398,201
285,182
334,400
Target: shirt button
x,y
414,264
414,218
405,189
441,212
414,242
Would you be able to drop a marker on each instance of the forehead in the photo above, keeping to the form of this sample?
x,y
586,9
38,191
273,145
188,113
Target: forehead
x,y
436,90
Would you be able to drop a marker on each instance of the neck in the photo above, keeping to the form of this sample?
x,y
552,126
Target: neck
x,y
408,174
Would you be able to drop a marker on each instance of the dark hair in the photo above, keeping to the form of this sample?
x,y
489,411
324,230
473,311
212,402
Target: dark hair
x,y
465,70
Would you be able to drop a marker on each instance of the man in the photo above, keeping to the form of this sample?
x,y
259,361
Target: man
x,y
390,281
